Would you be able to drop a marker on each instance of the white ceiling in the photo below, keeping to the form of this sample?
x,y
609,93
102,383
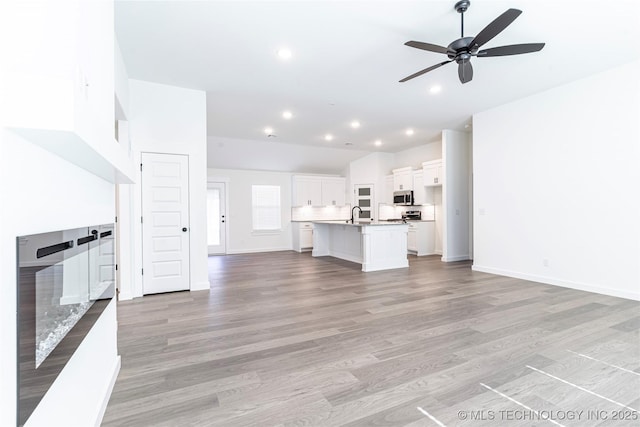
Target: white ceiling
x,y
349,55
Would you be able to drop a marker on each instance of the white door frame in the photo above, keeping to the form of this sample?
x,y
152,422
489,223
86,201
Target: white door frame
x,y
224,180
222,250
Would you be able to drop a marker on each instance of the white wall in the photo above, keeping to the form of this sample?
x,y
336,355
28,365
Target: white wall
x,y
556,178
415,156
168,119
240,238
42,192
121,83
228,153
370,169
456,190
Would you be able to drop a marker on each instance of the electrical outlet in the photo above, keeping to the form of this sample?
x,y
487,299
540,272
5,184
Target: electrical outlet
x,y
481,211
545,262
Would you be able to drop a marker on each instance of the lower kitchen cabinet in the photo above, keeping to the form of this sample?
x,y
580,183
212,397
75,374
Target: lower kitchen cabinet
x,y
302,236
421,238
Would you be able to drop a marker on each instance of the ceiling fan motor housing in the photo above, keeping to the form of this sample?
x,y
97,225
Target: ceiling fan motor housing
x,y
460,47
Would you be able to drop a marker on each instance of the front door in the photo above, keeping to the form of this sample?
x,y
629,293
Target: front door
x,y
216,218
165,223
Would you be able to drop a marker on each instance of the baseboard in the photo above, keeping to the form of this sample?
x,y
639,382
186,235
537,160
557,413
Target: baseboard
x,y
125,296
200,286
107,394
384,266
255,251
557,282
416,253
456,258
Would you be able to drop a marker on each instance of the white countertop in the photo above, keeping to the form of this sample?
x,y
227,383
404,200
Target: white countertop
x,y
360,223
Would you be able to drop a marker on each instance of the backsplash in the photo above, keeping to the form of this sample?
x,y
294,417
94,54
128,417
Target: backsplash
x,y
395,212
324,213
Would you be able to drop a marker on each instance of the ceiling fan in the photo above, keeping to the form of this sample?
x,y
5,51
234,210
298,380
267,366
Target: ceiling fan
x,y
462,49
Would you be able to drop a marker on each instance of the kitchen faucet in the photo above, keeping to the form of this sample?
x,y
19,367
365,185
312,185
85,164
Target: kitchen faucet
x,y
352,209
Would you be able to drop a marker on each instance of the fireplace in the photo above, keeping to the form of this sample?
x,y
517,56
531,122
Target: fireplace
x,y
65,280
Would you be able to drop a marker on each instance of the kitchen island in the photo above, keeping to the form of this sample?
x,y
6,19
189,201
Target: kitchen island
x,y
376,245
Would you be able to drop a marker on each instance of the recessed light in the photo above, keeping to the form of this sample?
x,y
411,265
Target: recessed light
x,y
287,115
378,143
268,130
355,124
409,132
435,89
328,137
284,53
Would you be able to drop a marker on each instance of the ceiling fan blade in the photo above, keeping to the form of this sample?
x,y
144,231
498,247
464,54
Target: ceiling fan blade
x,y
494,28
465,71
514,49
427,46
426,70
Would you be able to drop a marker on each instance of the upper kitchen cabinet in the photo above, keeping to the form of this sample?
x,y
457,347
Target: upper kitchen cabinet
x,y
422,195
432,173
388,189
307,191
318,191
58,89
403,179
333,191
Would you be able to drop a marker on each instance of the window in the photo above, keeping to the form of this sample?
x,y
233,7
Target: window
x,y
265,201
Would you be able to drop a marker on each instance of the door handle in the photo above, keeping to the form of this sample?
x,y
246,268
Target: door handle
x,y
184,229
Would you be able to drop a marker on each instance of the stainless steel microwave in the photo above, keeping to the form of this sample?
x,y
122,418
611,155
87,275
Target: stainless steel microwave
x,y
404,198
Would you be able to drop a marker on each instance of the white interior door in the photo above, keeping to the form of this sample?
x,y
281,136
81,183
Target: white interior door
x,y
216,218
364,198
165,223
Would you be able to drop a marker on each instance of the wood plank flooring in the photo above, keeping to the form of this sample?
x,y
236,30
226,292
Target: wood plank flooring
x,y
285,339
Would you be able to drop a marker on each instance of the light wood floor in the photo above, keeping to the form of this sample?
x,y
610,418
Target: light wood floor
x,y
286,339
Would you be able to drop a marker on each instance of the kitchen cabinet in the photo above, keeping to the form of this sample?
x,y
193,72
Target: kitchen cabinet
x,y
403,179
422,195
333,191
412,238
432,173
421,238
318,191
302,236
307,191
388,190
419,190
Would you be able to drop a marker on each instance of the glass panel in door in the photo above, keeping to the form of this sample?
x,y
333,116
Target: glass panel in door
x,y
364,199
216,218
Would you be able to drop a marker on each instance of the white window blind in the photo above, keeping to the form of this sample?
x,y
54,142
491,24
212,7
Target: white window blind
x,y
266,207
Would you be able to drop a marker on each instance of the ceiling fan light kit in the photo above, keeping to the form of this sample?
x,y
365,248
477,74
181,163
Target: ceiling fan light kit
x,y
463,49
